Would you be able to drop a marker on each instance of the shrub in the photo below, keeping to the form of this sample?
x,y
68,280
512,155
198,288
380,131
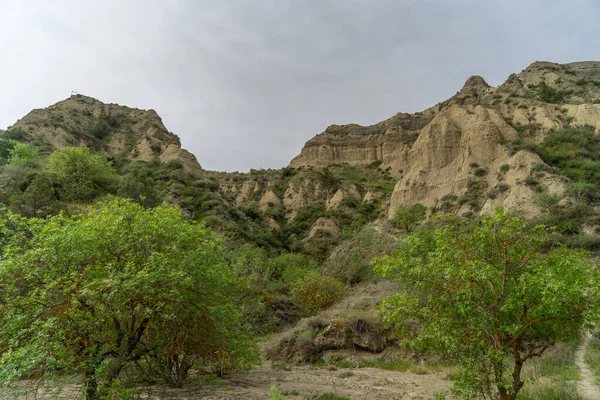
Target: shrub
x,y
480,172
502,187
407,217
315,292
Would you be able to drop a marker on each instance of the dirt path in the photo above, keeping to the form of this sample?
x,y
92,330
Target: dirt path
x,y
586,386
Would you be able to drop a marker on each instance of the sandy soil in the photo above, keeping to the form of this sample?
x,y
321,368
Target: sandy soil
x,y
295,383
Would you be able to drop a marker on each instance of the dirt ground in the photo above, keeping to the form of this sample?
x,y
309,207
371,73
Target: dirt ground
x,y
295,383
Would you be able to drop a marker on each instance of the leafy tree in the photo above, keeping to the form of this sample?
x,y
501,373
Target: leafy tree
x,y
408,217
38,200
23,154
488,296
81,174
93,294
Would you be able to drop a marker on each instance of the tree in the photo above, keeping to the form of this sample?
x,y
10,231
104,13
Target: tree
x,y
81,174
94,294
489,296
23,154
407,217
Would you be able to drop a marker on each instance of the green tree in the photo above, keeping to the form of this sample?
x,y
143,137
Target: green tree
x,y
408,217
490,297
81,174
38,200
93,294
23,154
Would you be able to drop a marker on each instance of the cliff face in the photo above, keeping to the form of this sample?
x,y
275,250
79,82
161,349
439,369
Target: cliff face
x,y
387,142
432,154
117,130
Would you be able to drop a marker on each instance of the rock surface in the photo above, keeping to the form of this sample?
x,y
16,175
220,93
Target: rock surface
x,y
430,152
117,130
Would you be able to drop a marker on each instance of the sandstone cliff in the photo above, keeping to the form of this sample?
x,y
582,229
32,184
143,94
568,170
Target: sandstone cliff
x,y
432,153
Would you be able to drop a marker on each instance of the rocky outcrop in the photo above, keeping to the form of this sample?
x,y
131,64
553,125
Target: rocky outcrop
x,y
323,229
269,199
387,143
432,153
117,130
347,193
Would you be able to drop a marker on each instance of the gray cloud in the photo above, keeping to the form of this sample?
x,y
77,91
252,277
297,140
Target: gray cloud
x,y
246,83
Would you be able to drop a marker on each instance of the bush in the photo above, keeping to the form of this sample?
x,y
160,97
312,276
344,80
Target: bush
x,y
407,217
479,172
315,292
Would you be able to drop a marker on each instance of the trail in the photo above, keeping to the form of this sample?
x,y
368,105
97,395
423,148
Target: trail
x,y
586,386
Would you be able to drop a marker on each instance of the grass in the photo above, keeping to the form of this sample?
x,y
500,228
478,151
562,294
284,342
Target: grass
x,y
552,376
592,356
391,364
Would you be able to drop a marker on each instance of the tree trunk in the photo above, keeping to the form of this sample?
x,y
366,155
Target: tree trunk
x,y
91,385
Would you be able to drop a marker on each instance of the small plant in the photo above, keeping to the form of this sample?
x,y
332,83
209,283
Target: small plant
x,y
493,193
502,187
480,172
275,394
504,167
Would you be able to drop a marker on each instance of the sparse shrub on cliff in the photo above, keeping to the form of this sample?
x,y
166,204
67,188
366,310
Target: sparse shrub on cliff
x,y
407,217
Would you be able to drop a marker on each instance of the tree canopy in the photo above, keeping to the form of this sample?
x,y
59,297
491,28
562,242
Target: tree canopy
x,y
95,293
490,296
80,173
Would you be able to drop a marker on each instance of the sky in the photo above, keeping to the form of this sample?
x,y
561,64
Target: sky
x,y
245,84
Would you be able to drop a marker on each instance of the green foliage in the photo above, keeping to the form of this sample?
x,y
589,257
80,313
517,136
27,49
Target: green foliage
x,y
552,376
40,199
315,292
275,394
575,153
350,261
488,296
549,94
23,154
407,217
95,293
140,184
81,174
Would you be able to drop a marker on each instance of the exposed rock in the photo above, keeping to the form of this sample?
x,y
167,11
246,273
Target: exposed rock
x,y
243,194
371,196
323,228
348,192
269,199
301,192
118,130
387,142
174,152
273,225
441,162
357,334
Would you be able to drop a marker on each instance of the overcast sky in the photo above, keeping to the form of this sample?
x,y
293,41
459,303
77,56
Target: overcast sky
x,y
245,83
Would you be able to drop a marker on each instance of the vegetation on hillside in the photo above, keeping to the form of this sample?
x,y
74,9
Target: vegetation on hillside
x,y
488,295
575,154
